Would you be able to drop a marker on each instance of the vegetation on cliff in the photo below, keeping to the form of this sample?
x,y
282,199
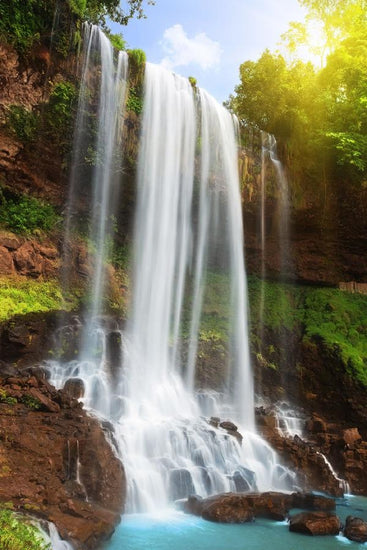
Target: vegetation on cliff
x,y
334,317
16,534
319,113
28,23
19,296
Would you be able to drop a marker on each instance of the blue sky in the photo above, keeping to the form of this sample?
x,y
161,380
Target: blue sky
x,y
209,39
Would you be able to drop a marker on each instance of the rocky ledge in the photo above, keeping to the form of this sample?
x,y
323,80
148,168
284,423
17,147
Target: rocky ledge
x,y
244,507
319,519
55,460
329,457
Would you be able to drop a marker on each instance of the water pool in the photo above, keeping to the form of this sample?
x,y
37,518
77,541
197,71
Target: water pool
x,y
177,531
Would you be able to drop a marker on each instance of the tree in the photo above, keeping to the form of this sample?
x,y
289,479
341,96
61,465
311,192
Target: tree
x,y
319,114
98,11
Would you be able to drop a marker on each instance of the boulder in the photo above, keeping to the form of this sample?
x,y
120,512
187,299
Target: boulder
x,y
10,241
227,508
315,523
232,430
355,529
74,388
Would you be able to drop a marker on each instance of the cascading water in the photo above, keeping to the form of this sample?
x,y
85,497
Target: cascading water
x,y
97,141
270,148
188,229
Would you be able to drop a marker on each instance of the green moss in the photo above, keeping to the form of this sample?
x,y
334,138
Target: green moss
x,y
16,533
137,58
5,398
134,101
22,122
23,214
31,402
21,296
117,41
338,318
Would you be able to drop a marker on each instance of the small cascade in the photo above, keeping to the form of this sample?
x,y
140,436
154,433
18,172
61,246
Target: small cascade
x,y
97,142
264,154
343,484
56,541
270,148
289,421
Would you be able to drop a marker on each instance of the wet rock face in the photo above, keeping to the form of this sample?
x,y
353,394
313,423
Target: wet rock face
x,y
355,529
315,523
55,461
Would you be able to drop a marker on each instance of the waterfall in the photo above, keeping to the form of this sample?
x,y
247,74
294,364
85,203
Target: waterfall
x,y
269,148
188,232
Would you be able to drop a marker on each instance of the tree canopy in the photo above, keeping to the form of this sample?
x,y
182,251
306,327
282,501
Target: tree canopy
x,y
319,113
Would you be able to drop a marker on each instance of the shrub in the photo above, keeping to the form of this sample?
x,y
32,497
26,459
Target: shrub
x,y
26,214
21,296
5,398
134,102
31,402
117,41
60,110
17,534
137,58
22,122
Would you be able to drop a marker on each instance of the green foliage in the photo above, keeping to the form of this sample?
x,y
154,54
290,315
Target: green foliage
x,y
117,41
60,112
22,21
99,11
320,114
5,398
21,296
137,58
31,402
78,7
336,317
25,215
18,534
193,82
134,101
26,23
22,122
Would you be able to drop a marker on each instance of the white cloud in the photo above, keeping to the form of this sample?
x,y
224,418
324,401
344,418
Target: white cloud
x,y
181,50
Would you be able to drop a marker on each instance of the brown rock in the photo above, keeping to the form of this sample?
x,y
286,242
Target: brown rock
x,y
316,425
27,261
49,252
46,403
315,523
240,507
351,436
74,387
227,508
39,466
6,261
9,241
355,529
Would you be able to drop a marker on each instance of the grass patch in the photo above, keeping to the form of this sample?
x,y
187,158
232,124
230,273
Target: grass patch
x,y
24,215
18,534
21,296
338,318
